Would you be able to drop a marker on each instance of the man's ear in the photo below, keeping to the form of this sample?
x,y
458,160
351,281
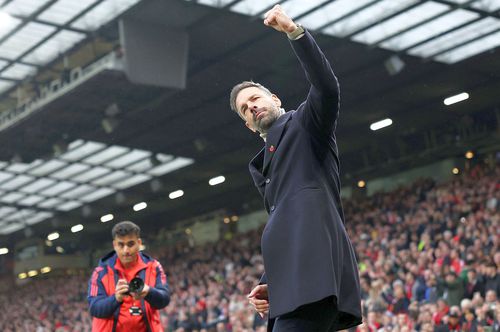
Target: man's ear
x,y
277,101
249,127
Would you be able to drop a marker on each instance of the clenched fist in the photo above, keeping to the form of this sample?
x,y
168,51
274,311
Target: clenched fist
x,y
276,18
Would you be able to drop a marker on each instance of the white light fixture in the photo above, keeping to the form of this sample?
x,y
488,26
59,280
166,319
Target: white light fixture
x,y
53,236
4,251
216,180
60,249
77,228
107,218
22,275
175,194
456,98
32,273
381,124
140,206
45,269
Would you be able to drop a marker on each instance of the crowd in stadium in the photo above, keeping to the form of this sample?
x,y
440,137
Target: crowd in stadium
x,y
428,256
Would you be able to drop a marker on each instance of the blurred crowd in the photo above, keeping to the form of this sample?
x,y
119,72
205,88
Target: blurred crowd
x,y
428,257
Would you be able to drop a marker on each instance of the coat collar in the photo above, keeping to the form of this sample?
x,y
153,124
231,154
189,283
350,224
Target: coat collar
x,y
260,163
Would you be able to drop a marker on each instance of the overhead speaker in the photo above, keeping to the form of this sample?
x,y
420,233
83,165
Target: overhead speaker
x,y
154,54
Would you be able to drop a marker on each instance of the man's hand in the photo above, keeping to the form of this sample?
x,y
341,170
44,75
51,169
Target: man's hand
x,y
276,18
121,289
142,294
259,299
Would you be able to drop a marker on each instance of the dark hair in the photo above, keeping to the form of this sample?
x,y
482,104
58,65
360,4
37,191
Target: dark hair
x,y
243,85
125,228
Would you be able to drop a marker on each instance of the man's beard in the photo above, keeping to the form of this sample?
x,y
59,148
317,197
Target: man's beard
x,y
272,113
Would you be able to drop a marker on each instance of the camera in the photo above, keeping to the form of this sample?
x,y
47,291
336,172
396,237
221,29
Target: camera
x,y
136,285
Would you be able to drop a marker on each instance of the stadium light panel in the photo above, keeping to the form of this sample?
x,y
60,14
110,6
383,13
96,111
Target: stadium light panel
x,y
4,251
330,12
69,206
24,39
16,182
111,178
80,149
129,158
477,46
430,29
70,171
140,206
380,124
252,7
48,167
93,173
106,155
107,217
32,273
5,85
102,14
18,71
11,197
131,181
456,98
400,22
367,16
52,48
63,11
99,193
77,228
177,163
53,236
45,269
176,194
50,203
216,180
31,200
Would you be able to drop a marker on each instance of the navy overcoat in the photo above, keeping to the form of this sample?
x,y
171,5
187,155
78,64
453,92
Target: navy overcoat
x,y
307,253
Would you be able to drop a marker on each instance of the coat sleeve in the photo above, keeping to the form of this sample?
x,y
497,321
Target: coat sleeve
x,y
100,304
159,296
320,110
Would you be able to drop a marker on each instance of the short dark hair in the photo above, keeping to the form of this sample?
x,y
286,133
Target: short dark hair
x,y
125,228
243,85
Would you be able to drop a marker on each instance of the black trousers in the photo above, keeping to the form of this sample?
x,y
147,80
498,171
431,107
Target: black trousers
x,y
318,316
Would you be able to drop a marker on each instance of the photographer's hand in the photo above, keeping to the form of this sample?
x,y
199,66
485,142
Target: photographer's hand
x,y
121,289
142,294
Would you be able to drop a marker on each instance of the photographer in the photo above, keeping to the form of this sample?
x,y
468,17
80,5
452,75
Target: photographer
x,y
127,287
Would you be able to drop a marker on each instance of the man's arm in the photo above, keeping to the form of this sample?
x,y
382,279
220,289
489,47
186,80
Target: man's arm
x,y
322,104
159,296
100,304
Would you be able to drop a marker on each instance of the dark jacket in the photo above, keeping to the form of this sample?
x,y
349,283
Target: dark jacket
x,y
307,253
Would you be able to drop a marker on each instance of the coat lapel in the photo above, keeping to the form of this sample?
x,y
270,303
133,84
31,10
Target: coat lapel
x,y
273,138
255,167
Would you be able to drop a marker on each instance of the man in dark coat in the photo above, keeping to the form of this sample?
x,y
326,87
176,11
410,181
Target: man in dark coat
x,y
311,280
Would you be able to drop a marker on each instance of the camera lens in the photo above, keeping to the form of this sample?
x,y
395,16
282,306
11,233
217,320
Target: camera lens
x,y
136,285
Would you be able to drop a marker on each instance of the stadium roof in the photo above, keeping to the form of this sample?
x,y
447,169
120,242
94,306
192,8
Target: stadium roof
x,y
104,144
